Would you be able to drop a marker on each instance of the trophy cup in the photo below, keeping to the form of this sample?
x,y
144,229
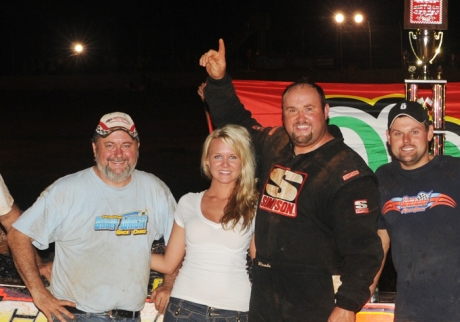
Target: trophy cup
x,y
427,47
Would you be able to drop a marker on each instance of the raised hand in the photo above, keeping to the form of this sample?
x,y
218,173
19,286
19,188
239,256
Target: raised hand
x,y
214,61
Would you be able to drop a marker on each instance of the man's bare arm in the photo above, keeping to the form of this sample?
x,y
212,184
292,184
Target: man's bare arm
x,y
342,315
7,222
386,246
24,256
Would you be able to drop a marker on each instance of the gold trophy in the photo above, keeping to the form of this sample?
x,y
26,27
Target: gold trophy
x,y
426,45
427,18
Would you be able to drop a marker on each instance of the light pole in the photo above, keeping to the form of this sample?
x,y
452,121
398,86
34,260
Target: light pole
x,y
358,18
370,43
77,51
339,19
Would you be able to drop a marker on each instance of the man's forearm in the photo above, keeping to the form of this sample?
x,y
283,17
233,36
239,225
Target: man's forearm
x,y
24,256
168,279
385,238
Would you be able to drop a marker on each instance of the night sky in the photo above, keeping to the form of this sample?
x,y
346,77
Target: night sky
x,y
177,32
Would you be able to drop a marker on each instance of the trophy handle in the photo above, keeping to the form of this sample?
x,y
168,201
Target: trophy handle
x,y
437,36
413,36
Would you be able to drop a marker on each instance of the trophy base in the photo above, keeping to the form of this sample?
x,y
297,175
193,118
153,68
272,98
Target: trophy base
x,y
435,102
437,144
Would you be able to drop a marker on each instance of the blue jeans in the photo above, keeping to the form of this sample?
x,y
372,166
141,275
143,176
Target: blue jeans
x,y
180,310
96,318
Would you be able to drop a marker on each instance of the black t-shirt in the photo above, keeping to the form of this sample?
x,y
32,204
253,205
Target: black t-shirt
x,y
419,209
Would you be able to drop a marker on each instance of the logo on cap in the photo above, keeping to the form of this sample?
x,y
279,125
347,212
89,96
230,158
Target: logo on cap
x,y
114,122
411,109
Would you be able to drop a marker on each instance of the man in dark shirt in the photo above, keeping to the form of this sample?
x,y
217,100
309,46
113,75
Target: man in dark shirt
x,y
419,214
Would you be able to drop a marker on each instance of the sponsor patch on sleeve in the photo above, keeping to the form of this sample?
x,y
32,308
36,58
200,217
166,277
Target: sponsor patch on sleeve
x,y
361,207
350,175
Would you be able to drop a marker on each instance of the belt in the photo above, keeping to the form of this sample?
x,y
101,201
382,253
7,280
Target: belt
x,y
115,313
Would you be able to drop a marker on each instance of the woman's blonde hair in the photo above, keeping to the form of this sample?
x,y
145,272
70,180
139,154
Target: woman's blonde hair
x,y
243,200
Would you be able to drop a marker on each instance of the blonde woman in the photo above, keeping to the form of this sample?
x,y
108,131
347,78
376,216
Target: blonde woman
x,y
214,229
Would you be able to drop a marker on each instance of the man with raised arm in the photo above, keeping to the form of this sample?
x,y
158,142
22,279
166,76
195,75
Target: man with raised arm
x,y
318,207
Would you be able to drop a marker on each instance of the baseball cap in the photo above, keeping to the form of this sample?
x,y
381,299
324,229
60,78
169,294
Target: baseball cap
x,y
114,122
408,108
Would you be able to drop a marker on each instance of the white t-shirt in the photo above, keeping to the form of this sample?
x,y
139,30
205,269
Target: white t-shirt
x,y
103,237
6,200
213,272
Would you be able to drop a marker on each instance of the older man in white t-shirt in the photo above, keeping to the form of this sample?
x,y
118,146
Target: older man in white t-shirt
x,y
102,221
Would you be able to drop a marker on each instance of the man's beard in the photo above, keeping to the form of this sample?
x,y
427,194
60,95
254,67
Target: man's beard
x,y
410,160
113,176
302,140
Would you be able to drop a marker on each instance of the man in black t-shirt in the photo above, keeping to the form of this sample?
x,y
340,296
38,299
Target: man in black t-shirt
x,y
419,214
